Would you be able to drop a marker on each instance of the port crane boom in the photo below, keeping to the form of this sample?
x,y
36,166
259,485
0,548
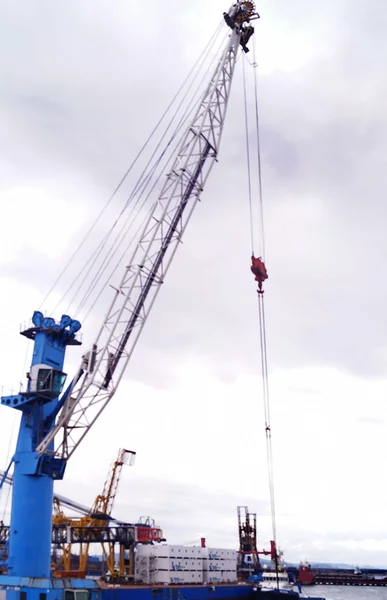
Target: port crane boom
x,y
46,411
104,366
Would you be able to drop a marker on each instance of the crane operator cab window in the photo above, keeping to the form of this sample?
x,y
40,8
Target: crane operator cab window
x,y
46,381
50,381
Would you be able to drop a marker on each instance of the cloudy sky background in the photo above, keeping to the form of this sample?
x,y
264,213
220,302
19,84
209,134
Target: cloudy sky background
x,y
82,84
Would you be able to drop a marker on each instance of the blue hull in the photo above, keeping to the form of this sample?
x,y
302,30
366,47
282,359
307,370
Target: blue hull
x,y
54,589
179,592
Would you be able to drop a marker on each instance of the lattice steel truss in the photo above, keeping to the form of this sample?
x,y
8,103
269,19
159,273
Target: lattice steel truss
x,y
104,366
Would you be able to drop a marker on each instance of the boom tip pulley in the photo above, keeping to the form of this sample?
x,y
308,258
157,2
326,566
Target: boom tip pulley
x,y
238,18
241,12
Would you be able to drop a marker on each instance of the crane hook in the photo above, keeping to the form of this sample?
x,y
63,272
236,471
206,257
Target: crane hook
x,y
259,270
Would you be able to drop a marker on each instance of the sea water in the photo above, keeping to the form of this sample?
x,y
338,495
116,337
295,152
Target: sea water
x,y
330,592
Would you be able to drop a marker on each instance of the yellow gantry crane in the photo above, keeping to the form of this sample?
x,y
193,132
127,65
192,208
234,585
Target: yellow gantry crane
x,y
97,517
103,504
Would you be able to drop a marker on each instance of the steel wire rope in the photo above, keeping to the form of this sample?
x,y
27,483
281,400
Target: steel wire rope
x,y
248,160
107,204
183,120
143,182
261,305
189,111
94,257
261,300
260,189
118,242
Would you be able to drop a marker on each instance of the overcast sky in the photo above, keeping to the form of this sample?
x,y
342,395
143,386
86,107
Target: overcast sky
x,y
82,83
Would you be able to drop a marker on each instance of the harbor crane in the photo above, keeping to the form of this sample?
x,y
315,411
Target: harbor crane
x,y
55,420
68,531
98,516
248,554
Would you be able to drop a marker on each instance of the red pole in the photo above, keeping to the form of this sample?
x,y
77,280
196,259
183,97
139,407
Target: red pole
x,y
203,542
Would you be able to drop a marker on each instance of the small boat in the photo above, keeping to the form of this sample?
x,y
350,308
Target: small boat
x,y
275,580
279,585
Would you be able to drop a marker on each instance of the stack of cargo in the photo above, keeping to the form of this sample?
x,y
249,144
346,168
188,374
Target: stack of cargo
x,y
163,564
219,565
160,564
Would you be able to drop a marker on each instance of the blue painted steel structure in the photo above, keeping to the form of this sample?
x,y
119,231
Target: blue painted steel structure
x,y
34,474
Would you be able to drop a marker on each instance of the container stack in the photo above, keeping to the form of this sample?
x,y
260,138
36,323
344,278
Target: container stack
x,y
162,564
184,565
219,566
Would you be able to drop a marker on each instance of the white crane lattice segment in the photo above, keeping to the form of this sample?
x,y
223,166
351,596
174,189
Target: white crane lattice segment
x,y
106,364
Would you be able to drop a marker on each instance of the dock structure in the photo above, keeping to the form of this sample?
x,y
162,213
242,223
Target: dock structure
x,y
349,579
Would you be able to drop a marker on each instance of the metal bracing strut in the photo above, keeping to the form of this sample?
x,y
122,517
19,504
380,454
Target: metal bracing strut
x,y
105,365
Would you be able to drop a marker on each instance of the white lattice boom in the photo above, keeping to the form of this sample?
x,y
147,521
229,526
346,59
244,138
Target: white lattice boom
x,y
104,366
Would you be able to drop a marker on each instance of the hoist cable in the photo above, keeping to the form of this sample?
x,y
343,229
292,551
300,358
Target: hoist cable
x,y
260,191
248,160
261,305
107,204
95,256
266,396
120,238
262,319
140,189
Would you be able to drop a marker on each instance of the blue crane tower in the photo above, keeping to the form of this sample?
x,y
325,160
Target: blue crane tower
x,y
53,421
34,473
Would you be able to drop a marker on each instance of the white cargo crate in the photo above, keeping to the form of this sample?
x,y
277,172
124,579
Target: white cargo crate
x,y
185,552
214,554
142,576
219,565
177,577
229,565
160,551
144,550
192,564
142,562
176,564
194,577
167,577
178,551
213,565
221,554
212,578
166,551
219,577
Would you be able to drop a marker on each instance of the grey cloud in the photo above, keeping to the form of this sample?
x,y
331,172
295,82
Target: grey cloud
x,y
322,136
185,512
